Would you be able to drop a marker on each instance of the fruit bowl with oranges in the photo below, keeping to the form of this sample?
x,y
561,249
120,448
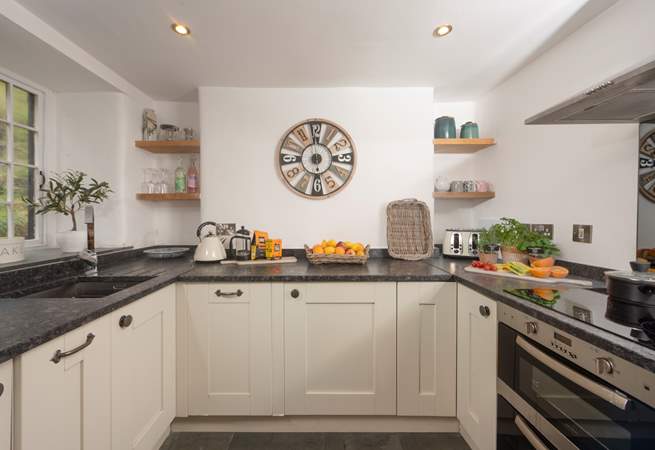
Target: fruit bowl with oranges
x,y
343,252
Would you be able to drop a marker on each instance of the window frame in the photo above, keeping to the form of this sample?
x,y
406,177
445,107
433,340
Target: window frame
x,y
39,156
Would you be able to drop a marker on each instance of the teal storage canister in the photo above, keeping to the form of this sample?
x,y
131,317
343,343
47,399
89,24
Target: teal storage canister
x,y
469,130
444,128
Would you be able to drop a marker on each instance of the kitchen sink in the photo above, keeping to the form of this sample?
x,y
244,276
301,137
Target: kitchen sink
x,y
91,287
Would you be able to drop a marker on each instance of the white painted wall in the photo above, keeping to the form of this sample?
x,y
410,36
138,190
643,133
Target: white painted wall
x,y
96,133
566,174
391,128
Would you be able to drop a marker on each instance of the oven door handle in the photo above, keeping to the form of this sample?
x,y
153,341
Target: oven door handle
x,y
609,395
530,435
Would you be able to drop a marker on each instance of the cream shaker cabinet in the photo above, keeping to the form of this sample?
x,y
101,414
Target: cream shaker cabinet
x,y
228,348
477,336
63,392
143,371
6,399
340,348
427,349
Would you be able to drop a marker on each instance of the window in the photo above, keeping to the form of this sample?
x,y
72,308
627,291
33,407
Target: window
x,y
20,137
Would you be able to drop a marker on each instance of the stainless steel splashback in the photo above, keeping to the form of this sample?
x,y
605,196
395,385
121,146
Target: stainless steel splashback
x,y
626,98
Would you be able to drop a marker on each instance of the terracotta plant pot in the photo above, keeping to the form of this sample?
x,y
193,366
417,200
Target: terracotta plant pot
x,y
490,258
512,254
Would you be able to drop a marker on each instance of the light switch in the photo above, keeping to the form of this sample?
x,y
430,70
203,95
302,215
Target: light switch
x,y
582,233
543,228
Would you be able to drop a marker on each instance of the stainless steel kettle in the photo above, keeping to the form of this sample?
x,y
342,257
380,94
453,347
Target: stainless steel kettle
x,y
210,247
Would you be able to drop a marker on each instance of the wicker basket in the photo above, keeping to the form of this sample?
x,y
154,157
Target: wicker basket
x,y
409,230
335,259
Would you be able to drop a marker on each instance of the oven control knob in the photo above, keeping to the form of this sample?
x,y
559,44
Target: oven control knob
x,y
604,366
531,327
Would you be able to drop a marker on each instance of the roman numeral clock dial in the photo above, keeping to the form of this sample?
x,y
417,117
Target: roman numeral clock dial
x,y
647,166
316,158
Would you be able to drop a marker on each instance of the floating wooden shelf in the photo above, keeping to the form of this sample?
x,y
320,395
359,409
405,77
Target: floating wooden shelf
x,y
169,197
192,146
462,145
464,195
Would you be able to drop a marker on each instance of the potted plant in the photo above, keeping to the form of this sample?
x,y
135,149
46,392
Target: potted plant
x,y
488,243
66,194
515,238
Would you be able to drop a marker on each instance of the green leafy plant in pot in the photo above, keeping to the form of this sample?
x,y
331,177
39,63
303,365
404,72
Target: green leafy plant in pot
x,y
489,244
66,194
515,238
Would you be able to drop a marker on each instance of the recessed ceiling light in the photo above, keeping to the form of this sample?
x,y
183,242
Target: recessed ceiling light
x,y
181,29
442,30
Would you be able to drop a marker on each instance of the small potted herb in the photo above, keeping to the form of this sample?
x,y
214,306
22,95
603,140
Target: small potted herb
x,y
66,194
515,238
488,243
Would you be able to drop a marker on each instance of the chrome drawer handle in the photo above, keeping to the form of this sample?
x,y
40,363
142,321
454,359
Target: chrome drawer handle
x,y
237,293
125,321
59,355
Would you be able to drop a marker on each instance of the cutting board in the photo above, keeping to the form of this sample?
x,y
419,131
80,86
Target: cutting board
x,y
529,278
261,262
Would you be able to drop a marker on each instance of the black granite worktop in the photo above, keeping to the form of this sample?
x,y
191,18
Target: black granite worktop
x,y
28,322
376,269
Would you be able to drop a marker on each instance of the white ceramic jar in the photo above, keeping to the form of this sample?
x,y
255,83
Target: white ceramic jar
x,y
12,250
71,241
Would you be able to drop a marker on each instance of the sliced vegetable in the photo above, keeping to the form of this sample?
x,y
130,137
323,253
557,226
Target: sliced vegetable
x,y
518,268
540,272
559,272
543,262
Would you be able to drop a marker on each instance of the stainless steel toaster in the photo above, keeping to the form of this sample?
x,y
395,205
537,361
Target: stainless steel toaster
x,y
461,242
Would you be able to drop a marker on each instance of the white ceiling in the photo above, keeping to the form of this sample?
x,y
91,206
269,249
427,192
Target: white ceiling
x,y
31,58
319,43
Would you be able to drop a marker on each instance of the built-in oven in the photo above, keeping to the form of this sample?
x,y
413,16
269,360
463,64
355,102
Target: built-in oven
x,y
557,391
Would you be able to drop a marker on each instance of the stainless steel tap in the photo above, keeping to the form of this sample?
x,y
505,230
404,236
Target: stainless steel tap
x,y
91,259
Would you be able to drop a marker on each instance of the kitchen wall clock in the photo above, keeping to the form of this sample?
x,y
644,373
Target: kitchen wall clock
x,y
647,166
316,158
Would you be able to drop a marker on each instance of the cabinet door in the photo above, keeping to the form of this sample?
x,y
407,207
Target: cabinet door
x,y
477,336
340,348
143,371
6,387
229,349
427,349
65,405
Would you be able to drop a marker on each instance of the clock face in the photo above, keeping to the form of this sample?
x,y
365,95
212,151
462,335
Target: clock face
x,y
316,158
647,166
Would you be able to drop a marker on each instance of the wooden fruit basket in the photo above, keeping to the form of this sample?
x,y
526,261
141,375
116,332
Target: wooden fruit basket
x,y
318,258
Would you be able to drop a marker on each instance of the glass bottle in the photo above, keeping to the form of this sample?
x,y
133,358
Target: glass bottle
x,y
192,178
180,177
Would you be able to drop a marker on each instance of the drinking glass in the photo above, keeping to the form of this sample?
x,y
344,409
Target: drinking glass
x,y
147,186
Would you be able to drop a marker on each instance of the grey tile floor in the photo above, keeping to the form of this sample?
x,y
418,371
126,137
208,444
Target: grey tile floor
x,y
314,441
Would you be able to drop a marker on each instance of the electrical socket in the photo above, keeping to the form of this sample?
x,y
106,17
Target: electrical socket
x,y
547,229
582,233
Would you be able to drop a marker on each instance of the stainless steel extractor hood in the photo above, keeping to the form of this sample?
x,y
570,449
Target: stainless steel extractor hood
x,y
627,98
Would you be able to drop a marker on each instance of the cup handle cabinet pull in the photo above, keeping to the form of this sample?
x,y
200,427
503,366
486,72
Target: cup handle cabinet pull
x,y
484,311
237,293
59,355
125,321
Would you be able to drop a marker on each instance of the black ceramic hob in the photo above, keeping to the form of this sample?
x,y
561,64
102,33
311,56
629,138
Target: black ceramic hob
x,y
595,308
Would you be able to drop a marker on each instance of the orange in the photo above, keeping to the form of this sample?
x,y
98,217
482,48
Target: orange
x,y
329,250
540,272
331,243
544,262
317,249
340,251
559,272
